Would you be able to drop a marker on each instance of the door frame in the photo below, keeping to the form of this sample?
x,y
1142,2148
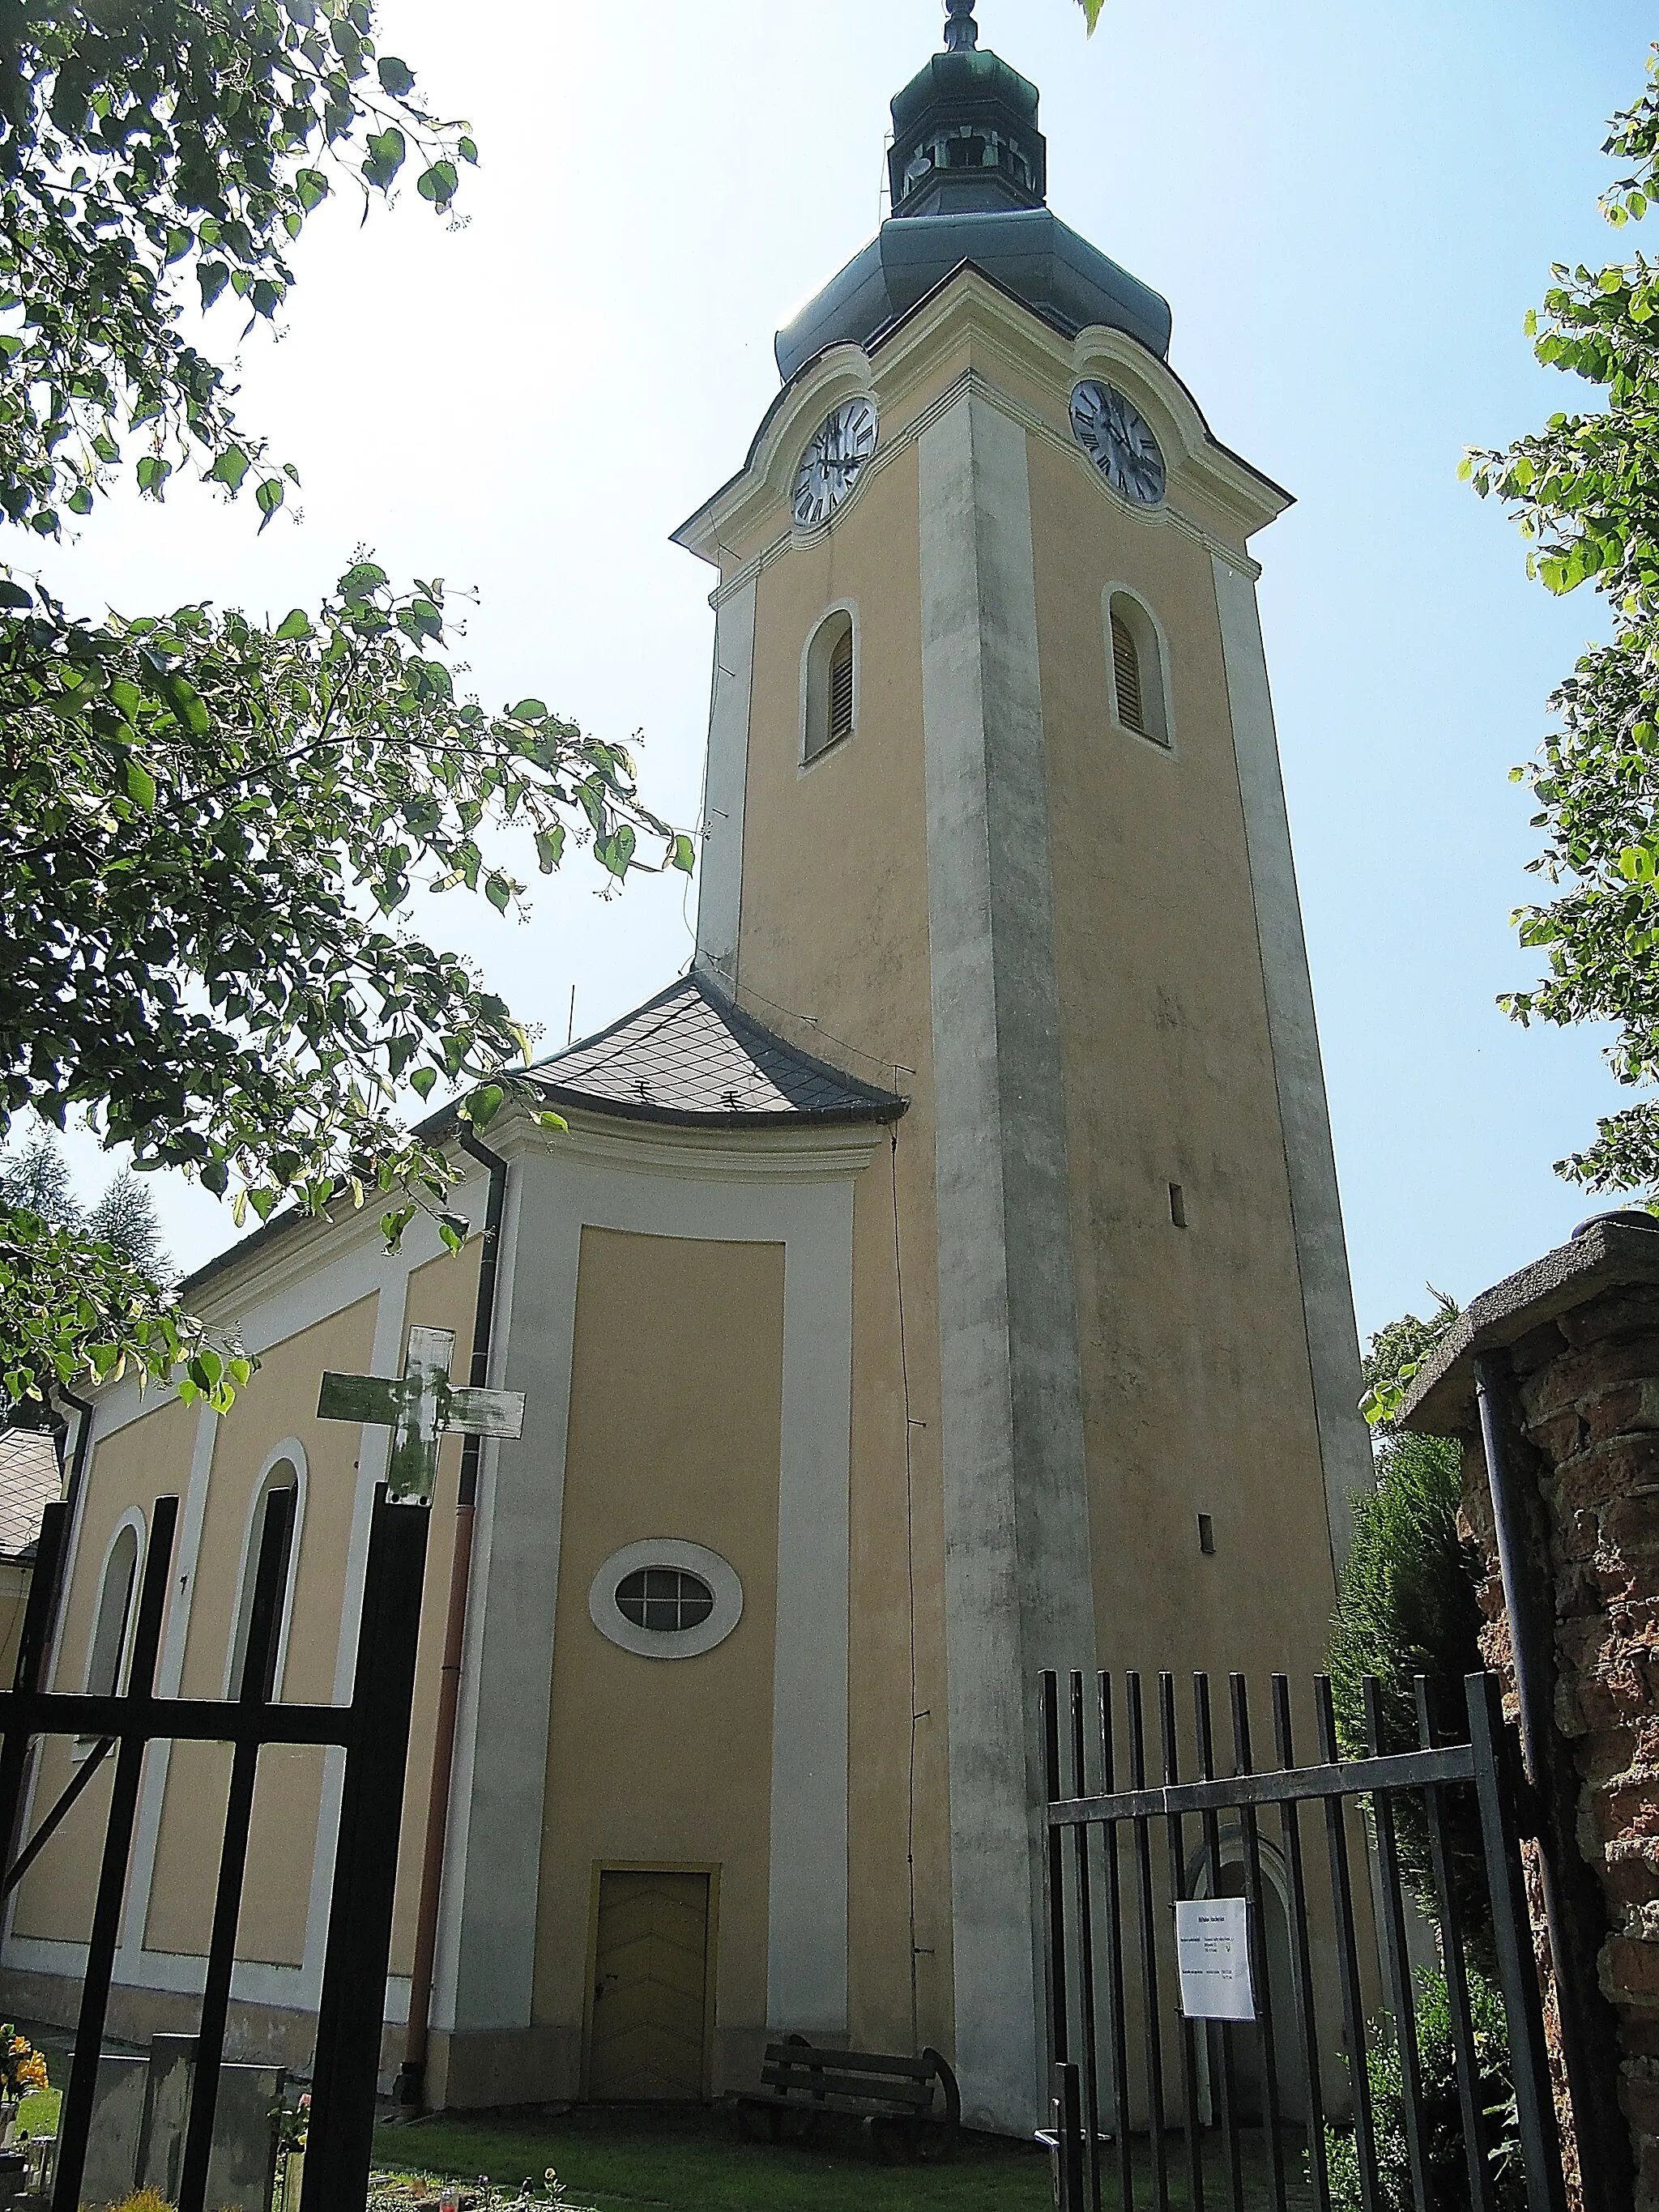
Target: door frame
x,y
711,1953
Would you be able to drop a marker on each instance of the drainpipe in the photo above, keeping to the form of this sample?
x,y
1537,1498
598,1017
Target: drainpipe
x,y
83,1409
410,2090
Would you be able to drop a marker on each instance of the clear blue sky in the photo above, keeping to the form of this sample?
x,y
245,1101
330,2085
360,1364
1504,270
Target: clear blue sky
x,y
1350,210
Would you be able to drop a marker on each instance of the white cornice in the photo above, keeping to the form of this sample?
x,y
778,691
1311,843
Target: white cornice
x,y
816,1152
1003,334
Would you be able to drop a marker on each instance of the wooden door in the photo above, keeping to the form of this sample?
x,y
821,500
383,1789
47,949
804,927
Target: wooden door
x,y
650,1986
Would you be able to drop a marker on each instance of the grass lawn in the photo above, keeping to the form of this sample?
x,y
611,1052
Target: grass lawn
x,y
681,2161
692,2161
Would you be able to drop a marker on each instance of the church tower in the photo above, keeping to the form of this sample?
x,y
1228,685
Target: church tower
x,y
994,817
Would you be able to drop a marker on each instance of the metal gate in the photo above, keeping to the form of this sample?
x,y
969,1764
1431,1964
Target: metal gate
x,y
374,1732
1187,2077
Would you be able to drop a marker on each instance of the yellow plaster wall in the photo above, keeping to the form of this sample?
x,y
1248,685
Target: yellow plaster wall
x,y
835,925
674,1431
1197,1392
147,1460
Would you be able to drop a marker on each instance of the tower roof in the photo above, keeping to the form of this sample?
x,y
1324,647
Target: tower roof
x,y
689,1056
969,175
965,136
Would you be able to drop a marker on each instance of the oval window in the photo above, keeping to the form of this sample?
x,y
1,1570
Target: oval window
x,y
666,1600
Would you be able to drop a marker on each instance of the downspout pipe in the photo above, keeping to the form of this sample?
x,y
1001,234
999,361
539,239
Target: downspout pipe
x,y
1574,1913
410,2090
82,1409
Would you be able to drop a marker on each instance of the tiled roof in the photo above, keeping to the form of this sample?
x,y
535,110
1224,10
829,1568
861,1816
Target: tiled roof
x,y
689,1056
29,1481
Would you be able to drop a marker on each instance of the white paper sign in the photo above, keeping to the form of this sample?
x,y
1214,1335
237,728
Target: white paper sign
x,y
1213,1935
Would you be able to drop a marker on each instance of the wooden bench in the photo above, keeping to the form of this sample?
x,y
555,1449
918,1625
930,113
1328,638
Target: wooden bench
x,y
909,2106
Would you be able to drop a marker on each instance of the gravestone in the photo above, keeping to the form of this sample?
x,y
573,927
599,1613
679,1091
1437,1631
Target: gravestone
x,y
239,2171
118,2131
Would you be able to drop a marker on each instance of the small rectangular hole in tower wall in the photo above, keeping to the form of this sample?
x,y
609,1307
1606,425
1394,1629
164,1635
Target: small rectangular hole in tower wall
x,y
1206,1535
1178,1205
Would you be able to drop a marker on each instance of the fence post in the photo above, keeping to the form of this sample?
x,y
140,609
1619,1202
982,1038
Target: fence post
x,y
352,2012
1534,2103
1070,2150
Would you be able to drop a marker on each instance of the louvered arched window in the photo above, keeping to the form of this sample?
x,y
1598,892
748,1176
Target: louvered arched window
x,y
283,1475
1135,659
105,1658
831,681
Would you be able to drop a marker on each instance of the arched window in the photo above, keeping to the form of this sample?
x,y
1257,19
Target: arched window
x,y
1135,659
109,1631
281,1475
831,683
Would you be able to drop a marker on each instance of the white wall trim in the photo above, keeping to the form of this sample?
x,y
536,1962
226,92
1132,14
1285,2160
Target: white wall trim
x,y
291,1453
805,762
721,1576
492,1938
1165,743
725,779
1333,1341
133,1518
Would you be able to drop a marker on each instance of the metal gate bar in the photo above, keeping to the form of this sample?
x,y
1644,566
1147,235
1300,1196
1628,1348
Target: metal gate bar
x,y
374,1732
255,1689
1260,1968
1189,2031
1301,1951
1078,1893
75,2119
1217,2037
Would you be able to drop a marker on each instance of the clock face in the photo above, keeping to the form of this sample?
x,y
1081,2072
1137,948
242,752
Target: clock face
x,y
831,465
1118,440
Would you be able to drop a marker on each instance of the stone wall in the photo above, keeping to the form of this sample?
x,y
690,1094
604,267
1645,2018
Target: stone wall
x,y
1579,1334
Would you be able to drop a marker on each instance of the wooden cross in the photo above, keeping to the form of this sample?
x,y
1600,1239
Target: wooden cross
x,y
421,1407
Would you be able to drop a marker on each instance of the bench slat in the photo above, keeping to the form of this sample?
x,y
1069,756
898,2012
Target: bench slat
x,y
914,2095
851,2062
833,2101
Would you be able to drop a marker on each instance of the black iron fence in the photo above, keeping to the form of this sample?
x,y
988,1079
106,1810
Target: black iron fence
x,y
1235,2004
374,1732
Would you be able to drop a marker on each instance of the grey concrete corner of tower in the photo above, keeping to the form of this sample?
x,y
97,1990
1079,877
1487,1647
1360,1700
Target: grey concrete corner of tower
x,y
968,177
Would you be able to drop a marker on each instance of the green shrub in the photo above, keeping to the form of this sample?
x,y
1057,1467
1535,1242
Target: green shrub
x,y
1443,2118
1407,1606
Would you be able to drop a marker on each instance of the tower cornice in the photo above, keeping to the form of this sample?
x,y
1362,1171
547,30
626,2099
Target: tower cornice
x,y
747,522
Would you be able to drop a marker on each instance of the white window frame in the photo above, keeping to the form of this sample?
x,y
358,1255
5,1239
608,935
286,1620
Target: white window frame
x,y
611,1621
133,1520
1153,653
290,1453
816,656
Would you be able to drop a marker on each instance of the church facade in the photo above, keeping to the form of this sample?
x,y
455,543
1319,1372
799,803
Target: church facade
x,y
944,1280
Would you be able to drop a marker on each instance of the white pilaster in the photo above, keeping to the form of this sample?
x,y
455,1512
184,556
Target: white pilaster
x,y
1304,1114
1017,1532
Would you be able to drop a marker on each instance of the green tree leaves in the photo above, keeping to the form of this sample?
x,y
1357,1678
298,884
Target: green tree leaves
x,y
1582,492
143,145
210,835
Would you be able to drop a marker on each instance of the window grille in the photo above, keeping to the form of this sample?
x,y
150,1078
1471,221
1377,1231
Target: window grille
x,y
1126,675
841,690
668,1599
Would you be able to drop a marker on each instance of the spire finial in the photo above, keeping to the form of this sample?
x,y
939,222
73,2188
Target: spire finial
x,y
960,29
